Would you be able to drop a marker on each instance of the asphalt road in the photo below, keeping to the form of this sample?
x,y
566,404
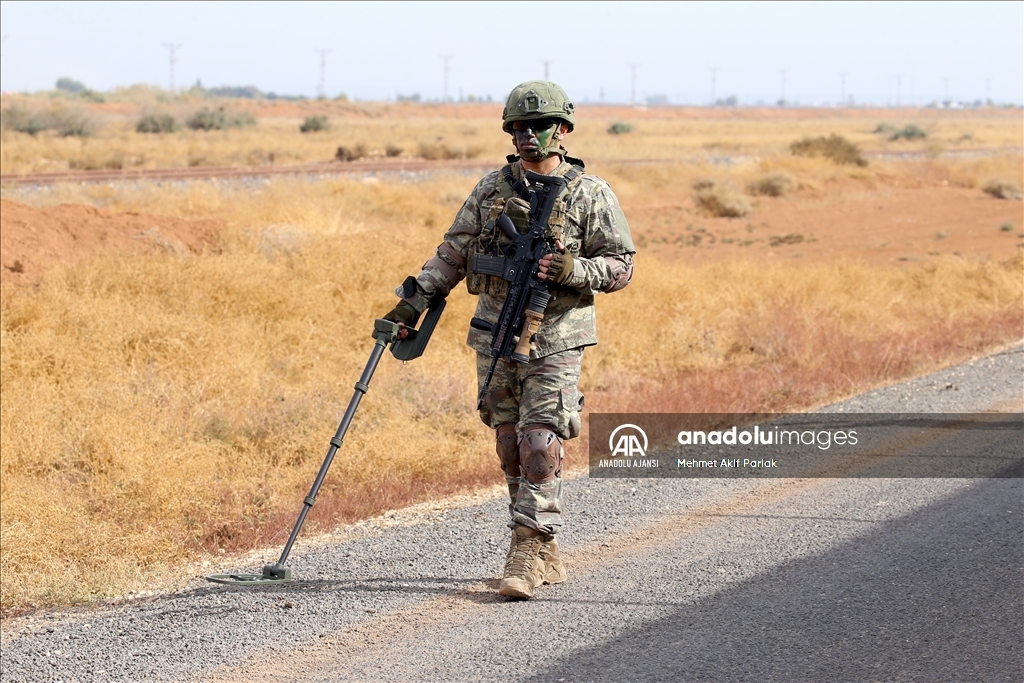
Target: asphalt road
x,y
669,580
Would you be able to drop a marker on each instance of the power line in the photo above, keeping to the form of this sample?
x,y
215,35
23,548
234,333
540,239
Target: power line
x,y
173,49
446,58
321,88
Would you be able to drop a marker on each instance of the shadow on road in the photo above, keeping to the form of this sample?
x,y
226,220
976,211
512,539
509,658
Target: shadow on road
x,y
933,596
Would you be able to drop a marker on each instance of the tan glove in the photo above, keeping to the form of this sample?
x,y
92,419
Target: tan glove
x,y
561,269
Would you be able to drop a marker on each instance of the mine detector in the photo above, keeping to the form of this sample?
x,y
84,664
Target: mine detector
x,y
385,333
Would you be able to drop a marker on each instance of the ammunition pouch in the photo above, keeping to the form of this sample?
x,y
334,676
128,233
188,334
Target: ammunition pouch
x,y
485,275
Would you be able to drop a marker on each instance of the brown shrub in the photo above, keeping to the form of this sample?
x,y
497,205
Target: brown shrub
x,y
777,184
834,147
1002,189
441,150
719,199
344,153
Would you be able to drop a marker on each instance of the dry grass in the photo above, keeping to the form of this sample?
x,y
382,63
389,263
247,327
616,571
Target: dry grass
x,y
468,130
823,331
158,407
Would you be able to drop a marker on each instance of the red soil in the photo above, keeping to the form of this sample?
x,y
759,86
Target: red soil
x,y
893,224
32,239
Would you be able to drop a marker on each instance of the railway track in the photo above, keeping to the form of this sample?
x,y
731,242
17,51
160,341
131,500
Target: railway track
x,y
404,165
203,172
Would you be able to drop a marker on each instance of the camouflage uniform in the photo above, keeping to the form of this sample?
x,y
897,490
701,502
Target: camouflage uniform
x,y
588,221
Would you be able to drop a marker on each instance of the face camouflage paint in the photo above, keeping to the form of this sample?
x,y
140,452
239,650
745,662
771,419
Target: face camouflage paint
x,y
536,140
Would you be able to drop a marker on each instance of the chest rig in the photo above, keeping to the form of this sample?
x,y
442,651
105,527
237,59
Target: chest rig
x,y
514,200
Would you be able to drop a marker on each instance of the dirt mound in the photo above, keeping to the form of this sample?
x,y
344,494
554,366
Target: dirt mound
x,y
33,239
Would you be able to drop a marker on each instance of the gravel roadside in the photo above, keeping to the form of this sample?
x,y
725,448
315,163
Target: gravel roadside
x,y
410,595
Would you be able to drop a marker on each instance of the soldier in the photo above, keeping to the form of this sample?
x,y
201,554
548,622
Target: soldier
x,y
533,407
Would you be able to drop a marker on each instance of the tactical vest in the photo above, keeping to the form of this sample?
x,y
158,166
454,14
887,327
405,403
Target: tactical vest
x,y
513,200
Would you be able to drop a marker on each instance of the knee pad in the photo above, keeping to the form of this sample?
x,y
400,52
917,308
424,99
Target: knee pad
x,y
540,454
507,447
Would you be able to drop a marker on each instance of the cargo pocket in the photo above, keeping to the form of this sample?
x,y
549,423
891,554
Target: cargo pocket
x,y
571,400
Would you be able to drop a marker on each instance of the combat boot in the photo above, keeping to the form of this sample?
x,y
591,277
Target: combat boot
x,y
524,569
551,561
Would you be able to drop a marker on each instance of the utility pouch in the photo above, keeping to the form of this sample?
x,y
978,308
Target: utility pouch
x,y
496,287
476,282
491,266
518,209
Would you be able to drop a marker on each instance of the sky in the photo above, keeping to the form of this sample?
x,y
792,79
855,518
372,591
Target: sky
x,y
807,53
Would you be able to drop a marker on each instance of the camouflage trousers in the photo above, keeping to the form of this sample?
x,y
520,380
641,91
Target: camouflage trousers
x,y
541,393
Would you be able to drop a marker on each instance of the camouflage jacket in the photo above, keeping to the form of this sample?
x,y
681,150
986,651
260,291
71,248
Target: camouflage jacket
x,y
594,231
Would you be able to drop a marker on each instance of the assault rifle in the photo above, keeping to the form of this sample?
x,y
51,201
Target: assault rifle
x,y
528,295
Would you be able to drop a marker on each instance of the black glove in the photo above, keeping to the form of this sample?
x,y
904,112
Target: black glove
x,y
403,313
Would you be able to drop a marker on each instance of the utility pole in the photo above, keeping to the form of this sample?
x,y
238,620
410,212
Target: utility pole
x,y
547,65
446,58
842,98
988,90
714,74
173,49
632,93
945,89
899,88
782,97
321,87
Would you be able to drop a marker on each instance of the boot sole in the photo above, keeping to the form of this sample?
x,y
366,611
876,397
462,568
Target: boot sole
x,y
516,588
554,578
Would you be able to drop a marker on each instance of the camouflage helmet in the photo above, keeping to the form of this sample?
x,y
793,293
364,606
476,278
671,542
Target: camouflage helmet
x,y
534,100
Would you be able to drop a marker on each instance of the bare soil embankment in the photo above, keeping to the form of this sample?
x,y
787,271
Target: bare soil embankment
x,y
33,239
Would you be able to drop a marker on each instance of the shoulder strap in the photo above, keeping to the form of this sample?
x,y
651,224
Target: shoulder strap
x,y
504,184
573,173
556,222
515,185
